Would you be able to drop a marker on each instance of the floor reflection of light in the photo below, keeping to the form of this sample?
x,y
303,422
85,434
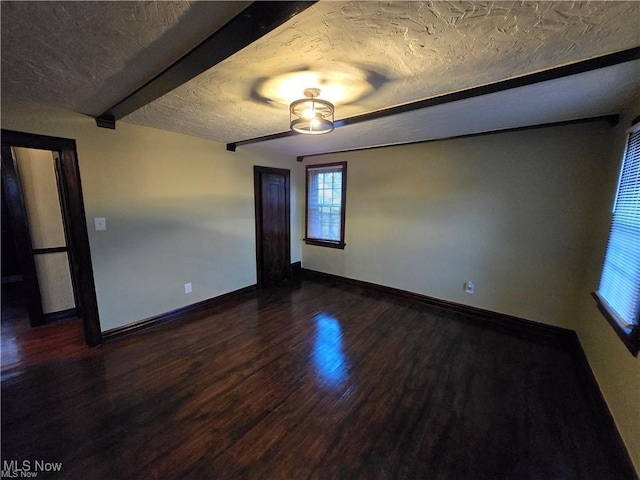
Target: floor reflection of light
x,y
328,358
10,350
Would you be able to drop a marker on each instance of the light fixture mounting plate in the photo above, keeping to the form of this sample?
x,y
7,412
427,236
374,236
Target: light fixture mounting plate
x,y
312,92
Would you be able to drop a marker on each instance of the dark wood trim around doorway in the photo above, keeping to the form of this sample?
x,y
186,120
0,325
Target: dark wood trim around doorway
x,y
75,222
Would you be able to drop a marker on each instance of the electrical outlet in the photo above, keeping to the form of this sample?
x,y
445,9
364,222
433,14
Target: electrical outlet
x,y
187,288
469,286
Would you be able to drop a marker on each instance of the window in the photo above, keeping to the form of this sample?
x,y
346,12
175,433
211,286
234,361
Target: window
x,y
326,195
618,294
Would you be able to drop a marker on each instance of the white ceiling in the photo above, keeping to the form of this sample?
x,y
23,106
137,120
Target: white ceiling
x,y
86,56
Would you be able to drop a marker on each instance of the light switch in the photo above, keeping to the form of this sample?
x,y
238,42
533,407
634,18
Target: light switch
x,y
100,223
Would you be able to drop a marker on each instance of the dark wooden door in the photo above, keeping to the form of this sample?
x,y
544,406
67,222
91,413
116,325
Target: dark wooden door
x,y
273,239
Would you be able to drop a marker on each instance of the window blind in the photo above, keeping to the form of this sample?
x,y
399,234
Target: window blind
x,y
619,287
324,203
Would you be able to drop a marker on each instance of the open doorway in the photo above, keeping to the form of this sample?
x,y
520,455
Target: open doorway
x,y
49,231
13,300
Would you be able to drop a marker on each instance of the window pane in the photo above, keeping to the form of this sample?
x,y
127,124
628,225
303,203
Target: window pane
x,y
324,202
620,280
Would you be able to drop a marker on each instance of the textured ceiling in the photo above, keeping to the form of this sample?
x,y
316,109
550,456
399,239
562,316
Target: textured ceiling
x,y
86,56
398,52
591,94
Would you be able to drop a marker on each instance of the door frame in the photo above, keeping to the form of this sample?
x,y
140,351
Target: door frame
x,y
75,223
257,193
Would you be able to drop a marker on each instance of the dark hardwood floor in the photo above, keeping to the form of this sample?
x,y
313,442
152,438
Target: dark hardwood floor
x,y
322,381
22,346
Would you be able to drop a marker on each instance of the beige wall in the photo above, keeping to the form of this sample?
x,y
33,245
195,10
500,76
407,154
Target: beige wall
x,y
510,212
617,372
524,215
178,209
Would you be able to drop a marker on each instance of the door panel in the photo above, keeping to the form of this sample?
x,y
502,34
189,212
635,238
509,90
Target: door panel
x,y
273,242
36,169
54,278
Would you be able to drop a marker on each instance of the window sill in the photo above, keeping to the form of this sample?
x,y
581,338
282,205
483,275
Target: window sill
x,y
325,243
629,336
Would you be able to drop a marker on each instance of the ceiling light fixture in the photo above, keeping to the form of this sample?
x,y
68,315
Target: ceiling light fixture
x,y
311,115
